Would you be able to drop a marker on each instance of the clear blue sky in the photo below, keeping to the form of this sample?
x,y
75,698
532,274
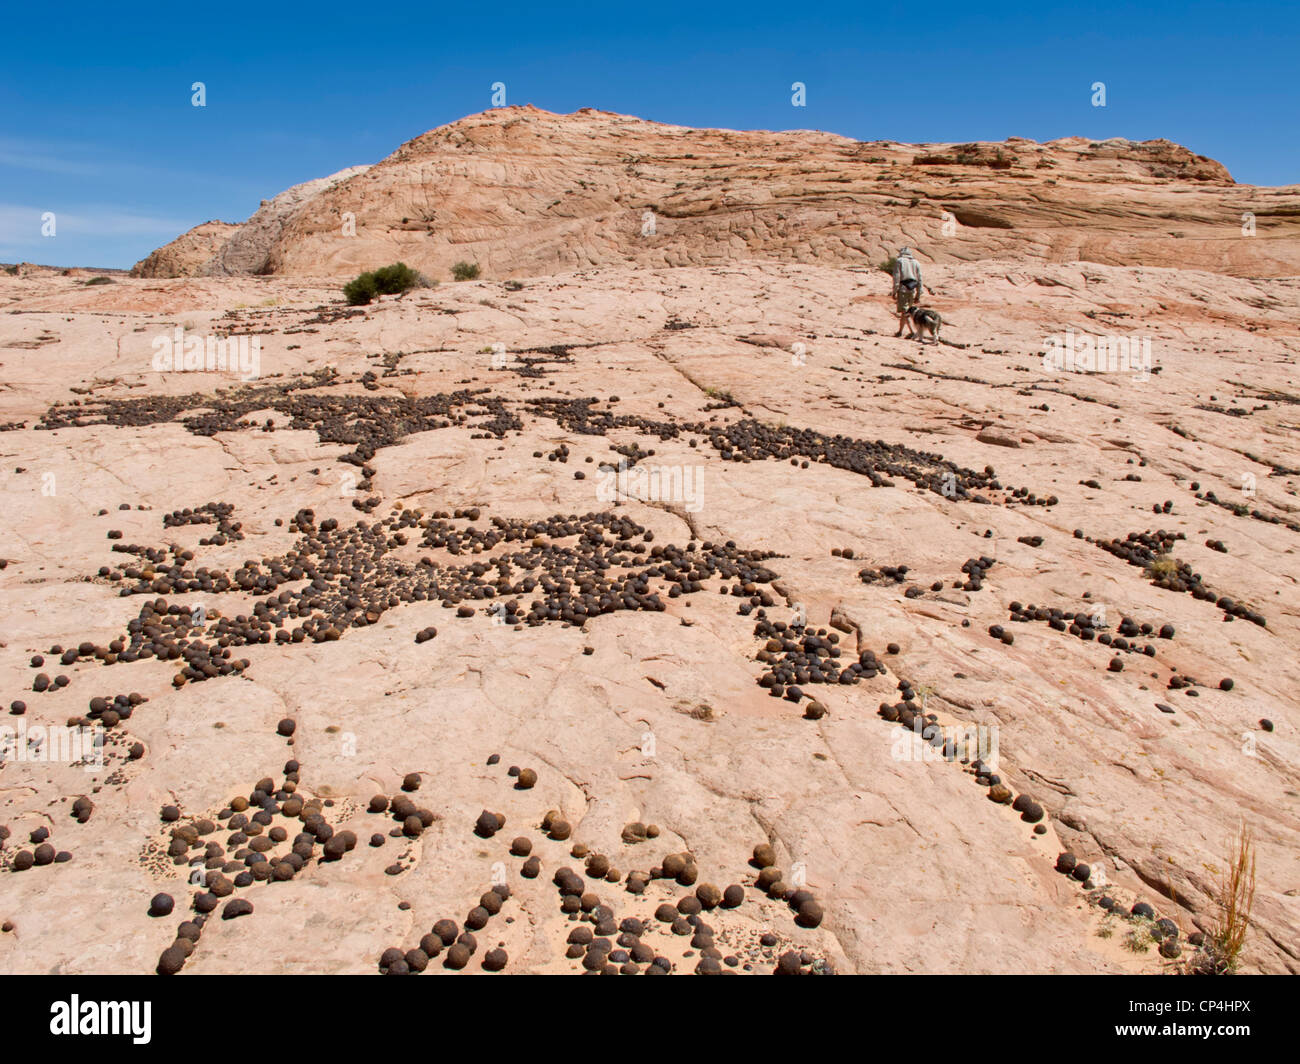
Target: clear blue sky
x,y
96,123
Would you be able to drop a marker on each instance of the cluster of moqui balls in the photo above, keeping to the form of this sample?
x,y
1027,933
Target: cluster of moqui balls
x,y
258,823
599,941
43,852
1151,551
974,568
749,440
167,632
211,513
371,422
604,945
796,655
911,715
1242,510
1089,625
367,423
573,567
460,946
1161,930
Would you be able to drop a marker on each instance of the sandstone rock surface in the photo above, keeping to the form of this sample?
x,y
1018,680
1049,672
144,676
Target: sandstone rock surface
x,y
443,431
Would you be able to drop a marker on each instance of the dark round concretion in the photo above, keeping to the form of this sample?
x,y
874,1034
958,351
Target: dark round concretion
x,y
810,914
764,855
1143,909
286,727
458,957
411,781
527,779
521,846
477,918
161,905
447,931
733,896
431,945
789,963
709,895
171,961
236,907
416,959
44,854
495,960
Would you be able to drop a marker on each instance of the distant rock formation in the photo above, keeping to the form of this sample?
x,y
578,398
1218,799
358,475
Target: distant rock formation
x,y
524,192
249,249
185,255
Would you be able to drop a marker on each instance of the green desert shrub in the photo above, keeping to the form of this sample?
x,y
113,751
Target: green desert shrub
x,y
385,281
395,279
465,271
361,290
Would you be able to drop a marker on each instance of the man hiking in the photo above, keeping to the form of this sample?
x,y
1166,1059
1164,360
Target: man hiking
x,y
907,285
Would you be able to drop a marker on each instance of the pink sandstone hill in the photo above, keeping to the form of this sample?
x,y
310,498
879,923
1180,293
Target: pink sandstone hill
x,y
524,192
603,588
